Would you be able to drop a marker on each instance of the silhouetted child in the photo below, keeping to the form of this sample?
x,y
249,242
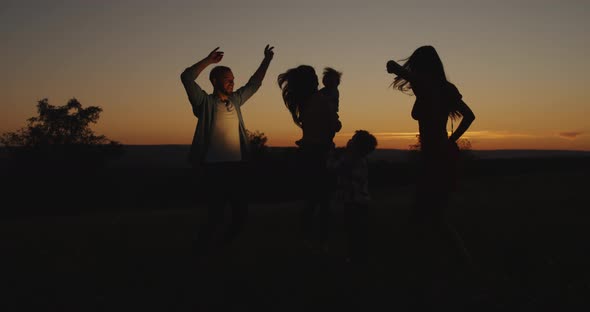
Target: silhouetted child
x,y
331,81
352,191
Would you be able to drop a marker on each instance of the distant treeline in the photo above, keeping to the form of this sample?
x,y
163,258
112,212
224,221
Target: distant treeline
x,y
175,156
274,177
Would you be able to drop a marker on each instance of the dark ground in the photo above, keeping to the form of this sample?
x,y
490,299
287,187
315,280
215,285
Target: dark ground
x,y
119,240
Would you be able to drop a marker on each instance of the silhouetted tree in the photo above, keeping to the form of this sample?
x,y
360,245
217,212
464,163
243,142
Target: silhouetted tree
x,y
257,142
61,135
463,144
61,125
416,146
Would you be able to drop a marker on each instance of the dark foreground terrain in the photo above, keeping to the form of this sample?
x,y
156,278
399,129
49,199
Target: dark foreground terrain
x,y
120,240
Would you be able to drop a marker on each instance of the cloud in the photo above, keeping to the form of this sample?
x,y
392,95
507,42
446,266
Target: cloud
x,y
570,135
488,134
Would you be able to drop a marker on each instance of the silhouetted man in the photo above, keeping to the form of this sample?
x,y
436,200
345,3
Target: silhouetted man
x,y
220,144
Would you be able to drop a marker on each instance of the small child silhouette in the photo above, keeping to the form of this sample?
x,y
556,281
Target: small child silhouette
x,y
352,191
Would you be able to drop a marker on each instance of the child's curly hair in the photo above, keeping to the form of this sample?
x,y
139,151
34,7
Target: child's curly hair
x,y
331,75
366,142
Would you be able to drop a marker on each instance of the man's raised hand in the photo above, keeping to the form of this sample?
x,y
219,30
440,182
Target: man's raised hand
x,y
215,56
268,52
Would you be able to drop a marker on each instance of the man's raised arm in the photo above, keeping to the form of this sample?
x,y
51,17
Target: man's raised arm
x,y
255,81
261,71
188,76
191,73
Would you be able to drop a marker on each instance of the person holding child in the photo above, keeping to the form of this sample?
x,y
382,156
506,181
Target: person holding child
x,y
314,113
331,80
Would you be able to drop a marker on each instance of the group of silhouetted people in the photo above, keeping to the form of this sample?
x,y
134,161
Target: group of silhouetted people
x,y
220,147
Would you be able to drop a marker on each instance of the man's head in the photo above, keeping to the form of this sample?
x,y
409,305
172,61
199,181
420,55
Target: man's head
x,y
222,79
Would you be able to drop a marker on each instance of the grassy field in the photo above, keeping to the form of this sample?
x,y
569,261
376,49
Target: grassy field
x,y
527,230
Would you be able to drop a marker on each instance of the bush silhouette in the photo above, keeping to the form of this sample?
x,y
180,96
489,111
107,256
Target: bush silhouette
x,y
465,151
257,141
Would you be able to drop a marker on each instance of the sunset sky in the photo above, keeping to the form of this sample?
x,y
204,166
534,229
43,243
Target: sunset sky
x,y
522,66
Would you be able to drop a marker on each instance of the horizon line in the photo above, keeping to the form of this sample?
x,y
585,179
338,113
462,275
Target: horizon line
x,y
396,149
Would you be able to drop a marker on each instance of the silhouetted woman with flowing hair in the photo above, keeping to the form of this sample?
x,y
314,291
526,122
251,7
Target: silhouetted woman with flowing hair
x,y
314,114
437,101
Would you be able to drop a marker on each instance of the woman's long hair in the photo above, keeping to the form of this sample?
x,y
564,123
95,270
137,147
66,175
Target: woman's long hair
x,y
298,84
426,64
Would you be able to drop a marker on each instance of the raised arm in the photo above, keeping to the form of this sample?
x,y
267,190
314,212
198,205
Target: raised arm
x,y
468,118
261,71
255,81
195,94
191,73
